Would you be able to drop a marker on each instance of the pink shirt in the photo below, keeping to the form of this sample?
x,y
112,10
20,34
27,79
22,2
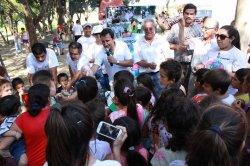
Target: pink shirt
x,y
121,113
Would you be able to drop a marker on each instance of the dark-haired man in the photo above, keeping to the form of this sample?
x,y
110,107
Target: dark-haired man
x,y
41,58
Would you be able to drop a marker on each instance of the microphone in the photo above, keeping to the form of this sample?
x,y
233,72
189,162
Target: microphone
x,y
108,54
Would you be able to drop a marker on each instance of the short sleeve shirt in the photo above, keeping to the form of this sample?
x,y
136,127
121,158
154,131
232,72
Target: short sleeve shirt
x,y
78,65
5,126
121,53
33,65
77,28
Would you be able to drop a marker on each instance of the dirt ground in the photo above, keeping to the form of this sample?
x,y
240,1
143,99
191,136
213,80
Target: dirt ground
x,y
15,65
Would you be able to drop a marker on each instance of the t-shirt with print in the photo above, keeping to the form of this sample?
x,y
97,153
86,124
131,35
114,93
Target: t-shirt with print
x,y
231,60
50,61
34,135
81,64
121,53
5,126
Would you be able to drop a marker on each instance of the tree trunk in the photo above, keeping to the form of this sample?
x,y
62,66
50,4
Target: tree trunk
x,y
243,22
5,42
31,29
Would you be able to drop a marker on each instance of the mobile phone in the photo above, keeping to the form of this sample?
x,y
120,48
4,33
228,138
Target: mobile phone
x,y
108,130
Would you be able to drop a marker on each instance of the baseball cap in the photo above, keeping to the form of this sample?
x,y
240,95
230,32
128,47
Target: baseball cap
x,y
97,29
86,25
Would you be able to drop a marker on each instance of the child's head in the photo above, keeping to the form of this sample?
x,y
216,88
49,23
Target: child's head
x,y
44,77
87,89
5,88
69,129
39,97
124,74
97,111
246,84
216,82
219,137
199,80
63,79
9,105
181,128
145,80
133,139
238,78
170,72
125,96
2,72
18,84
143,95
209,101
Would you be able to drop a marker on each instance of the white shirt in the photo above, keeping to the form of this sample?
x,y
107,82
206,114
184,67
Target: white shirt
x,y
86,42
33,65
158,51
200,49
81,64
99,149
77,28
231,60
121,53
229,99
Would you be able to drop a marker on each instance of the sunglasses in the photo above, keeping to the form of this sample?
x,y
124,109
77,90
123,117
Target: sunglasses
x,y
222,37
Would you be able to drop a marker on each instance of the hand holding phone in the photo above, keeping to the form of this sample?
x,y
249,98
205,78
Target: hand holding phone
x,y
108,130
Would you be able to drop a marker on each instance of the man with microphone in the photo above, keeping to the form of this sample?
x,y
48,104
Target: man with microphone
x,y
115,55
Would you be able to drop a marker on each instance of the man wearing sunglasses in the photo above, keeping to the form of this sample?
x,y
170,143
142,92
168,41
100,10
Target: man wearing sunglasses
x,y
150,51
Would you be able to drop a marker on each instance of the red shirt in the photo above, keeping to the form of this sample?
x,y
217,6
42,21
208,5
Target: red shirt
x,y
34,136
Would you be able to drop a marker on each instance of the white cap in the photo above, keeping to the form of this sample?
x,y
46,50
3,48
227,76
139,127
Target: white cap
x,y
87,24
97,29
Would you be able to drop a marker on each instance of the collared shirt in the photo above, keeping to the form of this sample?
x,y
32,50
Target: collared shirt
x,y
156,52
121,53
194,30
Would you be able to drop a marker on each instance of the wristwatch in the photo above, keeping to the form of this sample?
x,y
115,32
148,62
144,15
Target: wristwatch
x,y
117,62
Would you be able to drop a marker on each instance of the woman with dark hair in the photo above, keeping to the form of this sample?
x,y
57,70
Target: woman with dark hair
x,y
69,130
182,117
219,137
133,153
228,56
31,124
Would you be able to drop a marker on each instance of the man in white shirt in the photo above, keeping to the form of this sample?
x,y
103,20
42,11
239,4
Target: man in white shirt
x,y
150,51
41,58
115,55
77,30
78,63
87,39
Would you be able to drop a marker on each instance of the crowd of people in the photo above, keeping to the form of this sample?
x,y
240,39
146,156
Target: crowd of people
x,y
188,106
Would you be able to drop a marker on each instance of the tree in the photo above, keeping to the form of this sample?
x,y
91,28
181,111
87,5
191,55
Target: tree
x,y
243,22
32,16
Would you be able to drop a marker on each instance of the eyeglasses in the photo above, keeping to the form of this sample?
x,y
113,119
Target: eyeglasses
x,y
206,28
148,28
221,36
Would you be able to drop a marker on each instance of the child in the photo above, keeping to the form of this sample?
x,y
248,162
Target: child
x,y
170,74
180,128
145,80
62,80
57,41
10,108
100,149
132,152
5,88
219,137
125,102
237,83
199,81
143,96
18,86
217,82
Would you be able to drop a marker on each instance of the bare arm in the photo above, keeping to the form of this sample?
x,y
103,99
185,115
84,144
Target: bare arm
x,y
94,68
71,72
53,72
74,79
30,79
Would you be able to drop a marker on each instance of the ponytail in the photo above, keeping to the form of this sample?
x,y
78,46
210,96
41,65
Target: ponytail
x,y
38,96
124,91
